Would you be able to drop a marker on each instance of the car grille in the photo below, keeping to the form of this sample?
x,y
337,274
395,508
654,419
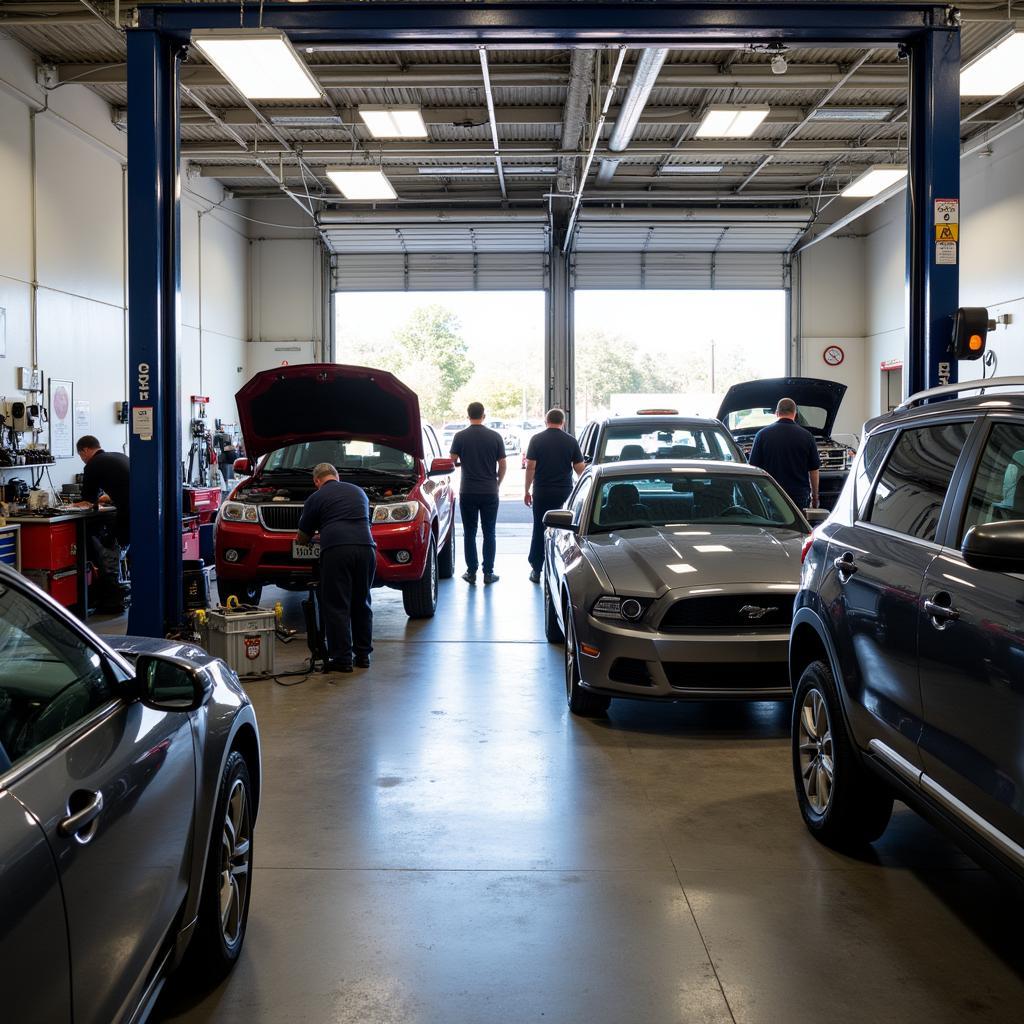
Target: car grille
x,y
832,456
280,517
726,676
729,613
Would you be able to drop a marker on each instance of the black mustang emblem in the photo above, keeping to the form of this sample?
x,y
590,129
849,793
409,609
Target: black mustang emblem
x,y
755,611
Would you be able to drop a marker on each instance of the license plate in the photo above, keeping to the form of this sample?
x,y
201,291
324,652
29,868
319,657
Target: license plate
x,y
305,552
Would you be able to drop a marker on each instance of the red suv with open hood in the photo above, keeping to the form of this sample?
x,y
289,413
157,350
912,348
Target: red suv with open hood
x,y
365,422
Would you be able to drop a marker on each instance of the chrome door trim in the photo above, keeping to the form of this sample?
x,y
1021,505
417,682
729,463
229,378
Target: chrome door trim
x,y
954,805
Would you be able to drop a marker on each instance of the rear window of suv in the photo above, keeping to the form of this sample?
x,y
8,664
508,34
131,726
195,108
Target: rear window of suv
x,y
912,487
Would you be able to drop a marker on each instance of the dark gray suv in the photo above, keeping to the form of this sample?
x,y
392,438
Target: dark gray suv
x,y
907,646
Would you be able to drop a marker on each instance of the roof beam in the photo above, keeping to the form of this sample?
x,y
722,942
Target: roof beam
x,y
673,76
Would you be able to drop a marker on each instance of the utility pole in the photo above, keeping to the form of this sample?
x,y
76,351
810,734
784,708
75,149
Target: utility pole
x,y
712,366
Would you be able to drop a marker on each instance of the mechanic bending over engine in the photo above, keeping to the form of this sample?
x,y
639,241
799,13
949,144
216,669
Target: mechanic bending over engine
x,y
340,513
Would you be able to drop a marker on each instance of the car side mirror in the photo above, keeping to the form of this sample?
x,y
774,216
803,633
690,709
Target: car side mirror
x,y
241,466
171,684
997,547
441,467
560,519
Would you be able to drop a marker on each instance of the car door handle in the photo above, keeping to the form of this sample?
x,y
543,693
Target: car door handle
x,y
76,822
845,566
941,612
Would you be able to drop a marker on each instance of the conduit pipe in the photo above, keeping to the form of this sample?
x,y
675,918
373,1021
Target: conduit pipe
x,y
648,65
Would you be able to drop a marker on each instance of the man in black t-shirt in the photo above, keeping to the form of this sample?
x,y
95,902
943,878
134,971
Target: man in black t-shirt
x,y
787,452
105,480
480,452
551,457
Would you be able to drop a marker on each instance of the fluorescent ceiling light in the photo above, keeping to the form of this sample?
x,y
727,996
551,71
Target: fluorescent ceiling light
x,y
850,113
305,120
366,183
691,169
260,63
473,171
873,181
387,122
727,122
997,71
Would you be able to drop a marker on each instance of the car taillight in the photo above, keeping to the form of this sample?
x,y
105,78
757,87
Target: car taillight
x,y
806,547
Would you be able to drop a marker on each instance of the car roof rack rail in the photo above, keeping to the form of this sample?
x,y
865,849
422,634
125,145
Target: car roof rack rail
x,y
954,389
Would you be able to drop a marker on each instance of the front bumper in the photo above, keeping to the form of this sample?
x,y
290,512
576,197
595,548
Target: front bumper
x,y
648,665
265,556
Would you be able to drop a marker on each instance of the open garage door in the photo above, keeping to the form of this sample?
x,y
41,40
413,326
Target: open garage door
x,y
438,255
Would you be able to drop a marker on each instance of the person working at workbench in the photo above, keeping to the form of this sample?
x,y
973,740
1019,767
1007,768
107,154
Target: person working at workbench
x,y
105,482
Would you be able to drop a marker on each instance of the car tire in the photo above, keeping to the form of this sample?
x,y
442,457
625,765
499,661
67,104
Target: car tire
x,y
581,702
446,557
420,597
227,880
246,593
843,804
552,630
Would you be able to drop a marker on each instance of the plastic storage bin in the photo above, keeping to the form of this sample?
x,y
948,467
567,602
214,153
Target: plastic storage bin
x,y
244,639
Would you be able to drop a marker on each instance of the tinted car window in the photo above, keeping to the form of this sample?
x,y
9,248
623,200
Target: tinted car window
x,y
579,499
998,490
663,441
684,498
874,451
912,487
50,678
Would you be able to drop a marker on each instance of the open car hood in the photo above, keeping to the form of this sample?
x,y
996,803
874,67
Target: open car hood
x,y
765,394
327,402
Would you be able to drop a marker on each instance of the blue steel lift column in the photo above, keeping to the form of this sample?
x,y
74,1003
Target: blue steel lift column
x,y
154,323
926,29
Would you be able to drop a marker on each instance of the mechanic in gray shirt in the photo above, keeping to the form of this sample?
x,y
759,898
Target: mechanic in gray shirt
x,y
340,513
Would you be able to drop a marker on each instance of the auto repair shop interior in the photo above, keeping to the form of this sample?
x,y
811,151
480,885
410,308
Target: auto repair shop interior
x,y
725,756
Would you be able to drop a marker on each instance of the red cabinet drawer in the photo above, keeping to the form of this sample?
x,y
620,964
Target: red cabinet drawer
x,y
49,546
61,586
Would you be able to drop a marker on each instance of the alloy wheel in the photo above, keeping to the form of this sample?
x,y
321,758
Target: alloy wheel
x,y
235,862
817,768
570,656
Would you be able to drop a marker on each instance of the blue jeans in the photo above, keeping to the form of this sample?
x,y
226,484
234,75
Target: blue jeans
x,y
544,500
482,507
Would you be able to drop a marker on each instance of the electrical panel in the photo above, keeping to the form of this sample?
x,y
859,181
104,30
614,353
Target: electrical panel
x,y
30,379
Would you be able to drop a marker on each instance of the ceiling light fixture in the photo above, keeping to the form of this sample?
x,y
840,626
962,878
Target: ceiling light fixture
x,y
691,169
260,63
779,65
305,120
364,183
388,122
729,122
997,71
472,171
849,113
874,180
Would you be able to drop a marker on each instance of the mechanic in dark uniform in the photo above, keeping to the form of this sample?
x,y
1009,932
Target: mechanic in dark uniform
x,y
340,513
788,453
480,452
551,457
105,481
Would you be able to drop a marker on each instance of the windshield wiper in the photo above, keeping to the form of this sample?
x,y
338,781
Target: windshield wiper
x,y
294,470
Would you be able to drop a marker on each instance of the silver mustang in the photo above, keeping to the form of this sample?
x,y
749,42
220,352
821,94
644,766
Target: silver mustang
x,y
672,581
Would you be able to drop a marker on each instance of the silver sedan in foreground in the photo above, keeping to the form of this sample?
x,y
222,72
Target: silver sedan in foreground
x,y
672,581
129,783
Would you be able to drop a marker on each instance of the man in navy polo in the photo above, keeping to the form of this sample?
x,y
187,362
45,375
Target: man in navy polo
x,y
787,452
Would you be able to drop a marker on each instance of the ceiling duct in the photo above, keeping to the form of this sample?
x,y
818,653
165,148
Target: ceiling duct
x,y
581,72
645,74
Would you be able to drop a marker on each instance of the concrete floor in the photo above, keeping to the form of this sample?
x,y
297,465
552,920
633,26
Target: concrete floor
x,y
440,843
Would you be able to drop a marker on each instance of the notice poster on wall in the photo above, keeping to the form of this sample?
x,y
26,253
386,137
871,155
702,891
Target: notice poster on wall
x,y
62,436
82,419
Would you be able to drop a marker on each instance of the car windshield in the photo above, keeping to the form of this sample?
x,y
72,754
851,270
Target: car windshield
x,y
623,443
688,497
346,456
741,421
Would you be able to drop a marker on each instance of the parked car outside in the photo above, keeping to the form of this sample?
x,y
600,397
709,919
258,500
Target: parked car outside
x,y
748,407
129,788
907,649
448,432
509,435
657,436
366,423
672,581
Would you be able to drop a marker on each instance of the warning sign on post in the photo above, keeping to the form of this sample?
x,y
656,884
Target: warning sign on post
x,y
945,254
142,422
947,211
947,232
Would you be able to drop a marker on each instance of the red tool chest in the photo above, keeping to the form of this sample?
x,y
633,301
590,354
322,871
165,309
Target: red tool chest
x,y
190,537
201,501
50,546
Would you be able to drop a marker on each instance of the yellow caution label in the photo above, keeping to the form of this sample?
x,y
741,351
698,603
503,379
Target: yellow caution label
x,y
947,232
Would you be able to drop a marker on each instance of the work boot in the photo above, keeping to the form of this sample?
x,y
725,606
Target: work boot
x,y
362,661
339,666
489,577
469,577
535,576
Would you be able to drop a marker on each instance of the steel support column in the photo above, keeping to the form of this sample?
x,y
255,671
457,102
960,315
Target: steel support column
x,y
154,294
558,361
934,174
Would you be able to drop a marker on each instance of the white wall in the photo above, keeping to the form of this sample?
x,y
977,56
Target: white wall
x,y
991,267
286,286
75,228
833,313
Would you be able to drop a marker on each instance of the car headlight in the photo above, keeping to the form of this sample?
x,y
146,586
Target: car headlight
x,y
236,512
396,512
623,609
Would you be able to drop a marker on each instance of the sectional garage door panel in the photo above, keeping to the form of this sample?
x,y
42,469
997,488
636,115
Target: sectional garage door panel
x,y
440,271
679,270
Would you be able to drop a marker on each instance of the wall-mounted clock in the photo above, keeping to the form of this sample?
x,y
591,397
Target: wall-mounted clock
x,y
833,355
